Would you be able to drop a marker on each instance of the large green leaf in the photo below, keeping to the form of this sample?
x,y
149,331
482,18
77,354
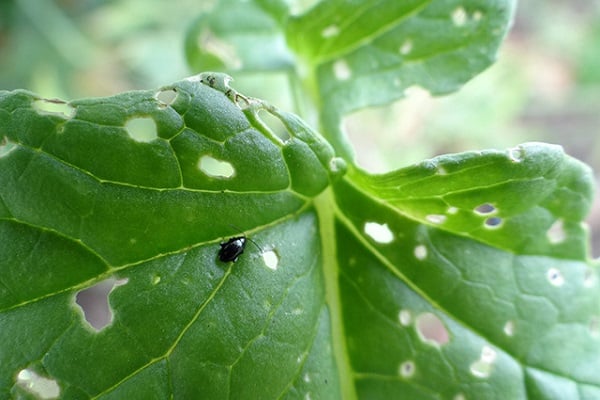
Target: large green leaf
x,y
448,279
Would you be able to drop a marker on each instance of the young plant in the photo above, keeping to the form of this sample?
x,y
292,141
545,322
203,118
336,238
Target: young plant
x,y
465,276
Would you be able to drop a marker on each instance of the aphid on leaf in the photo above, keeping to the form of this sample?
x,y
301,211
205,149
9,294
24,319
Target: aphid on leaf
x,y
233,248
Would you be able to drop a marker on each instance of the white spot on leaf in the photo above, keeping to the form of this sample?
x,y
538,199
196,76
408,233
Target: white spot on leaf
x,y
436,218
407,369
555,277
509,328
406,47
459,16
330,31
271,259
556,233
215,168
342,70
420,252
41,387
405,317
141,129
482,368
380,233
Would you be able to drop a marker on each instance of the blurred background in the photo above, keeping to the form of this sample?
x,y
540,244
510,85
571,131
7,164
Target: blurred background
x,y
544,87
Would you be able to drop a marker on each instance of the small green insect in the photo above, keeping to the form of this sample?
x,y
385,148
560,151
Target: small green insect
x,y
220,81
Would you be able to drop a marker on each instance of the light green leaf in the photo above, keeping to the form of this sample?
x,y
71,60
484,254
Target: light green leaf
x,y
514,308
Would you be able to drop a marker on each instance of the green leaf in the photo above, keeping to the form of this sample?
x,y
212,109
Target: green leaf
x,y
514,303
86,197
464,276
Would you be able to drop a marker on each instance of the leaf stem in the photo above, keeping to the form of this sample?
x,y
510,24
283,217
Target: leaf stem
x,y
323,204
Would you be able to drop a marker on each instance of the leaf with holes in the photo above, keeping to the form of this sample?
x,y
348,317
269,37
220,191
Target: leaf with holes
x,y
133,195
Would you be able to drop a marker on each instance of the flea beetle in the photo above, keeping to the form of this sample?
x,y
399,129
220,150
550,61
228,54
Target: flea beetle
x,y
233,248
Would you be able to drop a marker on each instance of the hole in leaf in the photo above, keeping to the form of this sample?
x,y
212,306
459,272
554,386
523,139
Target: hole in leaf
x,y
380,233
477,15
141,129
156,279
6,146
342,70
41,387
431,329
516,154
405,317
407,369
93,301
459,396
485,209
54,106
482,368
406,47
330,31
452,210
215,168
274,124
555,277
556,233
459,16
436,218
271,259
493,222
420,252
166,96
509,328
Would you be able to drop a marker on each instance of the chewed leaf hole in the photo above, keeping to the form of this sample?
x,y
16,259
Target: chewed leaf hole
x,y
407,369
431,329
493,223
166,96
341,70
482,368
405,317
380,233
516,154
141,129
406,47
459,16
271,259
54,106
330,31
556,234
555,277
215,168
274,124
41,387
420,252
436,218
93,301
509,328
485,209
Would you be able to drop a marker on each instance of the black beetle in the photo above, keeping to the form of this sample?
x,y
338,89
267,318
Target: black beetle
x,y
232,249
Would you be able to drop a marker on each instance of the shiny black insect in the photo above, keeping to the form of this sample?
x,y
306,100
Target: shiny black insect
x,y
232,249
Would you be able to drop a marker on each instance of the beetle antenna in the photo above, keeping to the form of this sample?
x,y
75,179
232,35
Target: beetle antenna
x,y
240,230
